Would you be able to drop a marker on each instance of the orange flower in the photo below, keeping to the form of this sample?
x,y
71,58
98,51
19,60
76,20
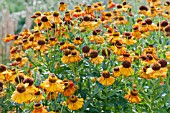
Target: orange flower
x,y
8,38
69,88
106,79
116,72
45,23
142,72
52,84
89,11
110,4
41,46
118,49
95,58
38,108
126,69
67,17
125,56
78,12
75,103
56,17
21,94
78,40
143,10
62,6
132,96
96,38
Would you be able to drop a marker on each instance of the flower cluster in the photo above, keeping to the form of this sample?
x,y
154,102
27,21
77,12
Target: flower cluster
x,y
67,50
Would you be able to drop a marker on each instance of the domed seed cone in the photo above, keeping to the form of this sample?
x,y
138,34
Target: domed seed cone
x,y
41,42
85,49
2,68
19,78
156,66
44,19
93,54
28,80
163,62
126,64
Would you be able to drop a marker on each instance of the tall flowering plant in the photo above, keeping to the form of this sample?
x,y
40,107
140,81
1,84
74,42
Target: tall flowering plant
x,y
91,58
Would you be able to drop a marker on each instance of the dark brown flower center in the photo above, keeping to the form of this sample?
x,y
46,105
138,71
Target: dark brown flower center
x,y
71,47
86,18
143,8
73,99
19,78
127,34
31,38
119,6
67,52
52,79
44,19
135,28
78,10
93,54
164,23
99,4
24,40
1,89
149,51
134,92
149,56
29,80
167,28
77,38
55,14
108,14
18,59
94,32
106,52
115,34
143,57
38,93
41,42
52,38
74,53
62,43
38,14
1,84
156,66
106,74
163,62
143,23
37,106
2,68
148,21
126,64
124,3
167,3
126,54
62,3
85,49
121,18
21,88
116,69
